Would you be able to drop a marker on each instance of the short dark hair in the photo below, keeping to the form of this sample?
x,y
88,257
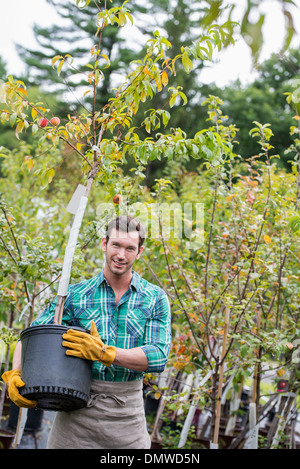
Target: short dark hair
x,y
126,223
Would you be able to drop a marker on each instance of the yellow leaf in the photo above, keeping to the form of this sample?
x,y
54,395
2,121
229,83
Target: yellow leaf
x,y
28,161
85,93
267,239
158,83
55,59
164,78
19,128
61,63
21,90
107,60
64,133
178,365
33,113
157,395
30,164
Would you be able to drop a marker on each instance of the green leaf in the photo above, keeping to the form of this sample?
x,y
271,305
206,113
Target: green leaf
x,y
165,117
173,100
47,177
294,224
187,63
129,16
183,97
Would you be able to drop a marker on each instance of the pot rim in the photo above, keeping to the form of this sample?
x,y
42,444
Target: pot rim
x,y
52,328
6,433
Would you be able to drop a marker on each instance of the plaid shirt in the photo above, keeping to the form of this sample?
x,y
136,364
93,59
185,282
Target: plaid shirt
x,y
141,319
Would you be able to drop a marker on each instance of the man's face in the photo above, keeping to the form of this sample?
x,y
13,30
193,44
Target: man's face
x,y
122,249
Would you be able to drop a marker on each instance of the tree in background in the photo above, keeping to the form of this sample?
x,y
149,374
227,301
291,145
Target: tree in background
x,y
103,137
265,99
76,35
181,22
235,299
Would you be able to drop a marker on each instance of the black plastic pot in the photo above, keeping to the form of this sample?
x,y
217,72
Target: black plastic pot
x,y
55,380
6,439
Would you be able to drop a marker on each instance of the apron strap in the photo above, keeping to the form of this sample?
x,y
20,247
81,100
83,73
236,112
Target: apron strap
x,y
94,397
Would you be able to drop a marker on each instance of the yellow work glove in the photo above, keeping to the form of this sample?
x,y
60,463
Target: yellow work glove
x,y
13,379
88,346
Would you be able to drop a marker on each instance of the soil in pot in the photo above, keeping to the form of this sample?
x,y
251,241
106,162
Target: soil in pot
x,y
55,380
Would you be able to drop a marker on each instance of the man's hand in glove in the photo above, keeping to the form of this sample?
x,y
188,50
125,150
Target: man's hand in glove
x,y
13,379
88,346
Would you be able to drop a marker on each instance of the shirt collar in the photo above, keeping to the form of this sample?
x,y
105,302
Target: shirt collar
x,y
135,281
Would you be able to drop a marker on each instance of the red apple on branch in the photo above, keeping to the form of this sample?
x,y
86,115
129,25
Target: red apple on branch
x,y
117,199
43,122
55,121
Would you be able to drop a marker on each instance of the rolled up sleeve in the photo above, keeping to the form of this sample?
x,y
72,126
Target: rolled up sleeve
x,y
157,338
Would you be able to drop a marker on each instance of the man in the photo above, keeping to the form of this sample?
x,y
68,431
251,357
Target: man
x,y
130,333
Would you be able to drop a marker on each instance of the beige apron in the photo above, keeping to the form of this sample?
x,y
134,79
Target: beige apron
x,y
114,418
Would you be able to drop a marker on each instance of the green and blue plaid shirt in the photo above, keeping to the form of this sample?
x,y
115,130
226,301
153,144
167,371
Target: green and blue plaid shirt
x,y
141,319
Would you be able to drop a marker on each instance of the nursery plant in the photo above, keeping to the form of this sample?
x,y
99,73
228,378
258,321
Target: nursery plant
x,y
235,300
